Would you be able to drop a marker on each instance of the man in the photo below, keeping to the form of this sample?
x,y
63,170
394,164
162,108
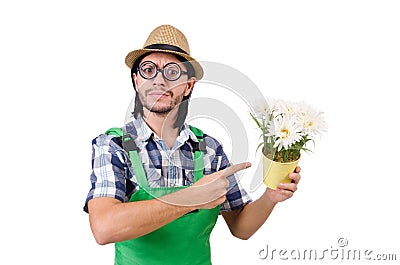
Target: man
x,y
158,184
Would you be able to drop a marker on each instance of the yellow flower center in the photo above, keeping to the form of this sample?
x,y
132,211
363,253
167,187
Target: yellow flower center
x,y
284,133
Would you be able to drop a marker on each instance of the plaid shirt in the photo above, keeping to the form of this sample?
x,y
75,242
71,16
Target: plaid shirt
x,y
111,166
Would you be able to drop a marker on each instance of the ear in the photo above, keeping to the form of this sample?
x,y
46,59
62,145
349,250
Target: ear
x,y
189,85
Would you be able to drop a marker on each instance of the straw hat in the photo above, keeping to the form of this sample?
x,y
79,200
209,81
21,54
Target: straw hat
x,y
166,38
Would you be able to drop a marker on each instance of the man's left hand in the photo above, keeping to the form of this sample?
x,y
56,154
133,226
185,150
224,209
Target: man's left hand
x,y
285,190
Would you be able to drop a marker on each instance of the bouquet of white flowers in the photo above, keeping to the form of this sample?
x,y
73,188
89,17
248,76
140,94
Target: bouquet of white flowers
x,y
286,129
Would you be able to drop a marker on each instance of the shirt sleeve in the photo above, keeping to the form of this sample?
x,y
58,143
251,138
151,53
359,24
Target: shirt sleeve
x,y
109,170
236,196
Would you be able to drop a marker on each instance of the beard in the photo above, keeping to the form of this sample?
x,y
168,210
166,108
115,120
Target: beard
x,y
157,106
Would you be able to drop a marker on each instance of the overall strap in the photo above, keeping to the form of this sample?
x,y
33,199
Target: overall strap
x,y
129,145
199,148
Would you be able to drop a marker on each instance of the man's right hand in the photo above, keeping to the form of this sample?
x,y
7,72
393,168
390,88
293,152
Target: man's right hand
x,y
210,191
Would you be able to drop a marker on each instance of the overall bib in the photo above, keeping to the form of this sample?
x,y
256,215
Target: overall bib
x,y
184,240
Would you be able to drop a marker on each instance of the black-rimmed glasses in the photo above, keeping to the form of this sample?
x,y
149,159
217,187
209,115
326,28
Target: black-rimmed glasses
x,y
171,71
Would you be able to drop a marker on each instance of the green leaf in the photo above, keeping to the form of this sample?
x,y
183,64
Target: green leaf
x,y
256,120
260,144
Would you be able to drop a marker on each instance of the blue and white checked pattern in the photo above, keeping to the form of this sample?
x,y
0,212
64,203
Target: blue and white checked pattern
x,y
163,166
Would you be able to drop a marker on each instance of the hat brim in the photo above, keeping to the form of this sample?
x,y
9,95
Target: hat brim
x,y
134,55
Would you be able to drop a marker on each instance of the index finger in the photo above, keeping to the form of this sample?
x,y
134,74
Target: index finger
x,y
235,168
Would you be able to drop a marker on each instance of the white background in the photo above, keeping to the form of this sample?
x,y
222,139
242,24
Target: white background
x,y
64,81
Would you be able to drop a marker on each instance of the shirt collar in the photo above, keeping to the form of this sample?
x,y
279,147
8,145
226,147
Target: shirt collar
x,y
144,132
186,129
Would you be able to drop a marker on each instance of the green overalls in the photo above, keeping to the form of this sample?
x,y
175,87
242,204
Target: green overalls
x,y
184,240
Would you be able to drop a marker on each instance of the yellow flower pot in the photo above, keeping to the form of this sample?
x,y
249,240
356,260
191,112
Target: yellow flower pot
x,y
277,172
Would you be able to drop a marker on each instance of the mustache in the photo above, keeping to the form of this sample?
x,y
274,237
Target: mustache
x,y
148,91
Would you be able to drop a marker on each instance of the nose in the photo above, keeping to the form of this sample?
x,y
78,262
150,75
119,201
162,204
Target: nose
x,y
159,79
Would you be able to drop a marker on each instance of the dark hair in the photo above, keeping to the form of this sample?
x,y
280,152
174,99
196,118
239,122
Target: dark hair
x,y
183,107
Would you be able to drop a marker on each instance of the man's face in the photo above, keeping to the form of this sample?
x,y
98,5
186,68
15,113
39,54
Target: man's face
x,y
160,95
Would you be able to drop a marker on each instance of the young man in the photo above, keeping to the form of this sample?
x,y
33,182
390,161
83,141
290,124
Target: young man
x,y
158,184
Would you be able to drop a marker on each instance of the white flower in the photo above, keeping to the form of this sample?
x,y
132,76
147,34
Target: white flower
x,y
286,130
261,110
286,127
312,120
281,107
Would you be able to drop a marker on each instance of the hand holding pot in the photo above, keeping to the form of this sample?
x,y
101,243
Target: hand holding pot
x,y
285,190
